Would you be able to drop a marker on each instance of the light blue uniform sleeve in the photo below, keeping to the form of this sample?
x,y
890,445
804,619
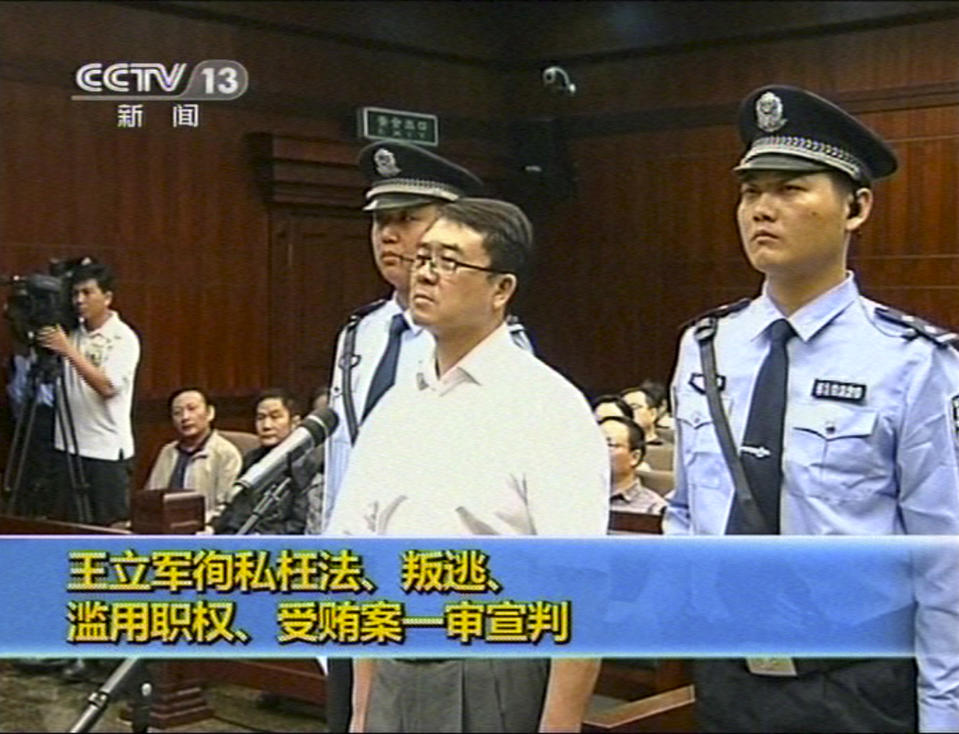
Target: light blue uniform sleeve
x,y
677,519
337,452
928,467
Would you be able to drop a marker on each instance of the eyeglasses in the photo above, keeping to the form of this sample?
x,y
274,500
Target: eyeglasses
x,y
446,265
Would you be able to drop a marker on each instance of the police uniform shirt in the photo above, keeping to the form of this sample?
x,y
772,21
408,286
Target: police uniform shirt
x,y
870,446
372,336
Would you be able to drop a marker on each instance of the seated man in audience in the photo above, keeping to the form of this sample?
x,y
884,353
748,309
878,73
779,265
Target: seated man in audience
x,y
626,449
657,390
200,459
642,401
319,400
607,405
277,414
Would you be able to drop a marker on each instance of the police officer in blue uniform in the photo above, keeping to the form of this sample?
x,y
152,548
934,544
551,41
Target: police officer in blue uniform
x,y
813,410
380,343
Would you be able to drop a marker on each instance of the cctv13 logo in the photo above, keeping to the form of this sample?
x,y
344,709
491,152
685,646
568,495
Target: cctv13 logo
x,y
210,80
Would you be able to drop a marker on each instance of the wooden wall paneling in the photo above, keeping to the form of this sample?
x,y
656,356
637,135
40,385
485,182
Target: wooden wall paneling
x,y
178,211
676,113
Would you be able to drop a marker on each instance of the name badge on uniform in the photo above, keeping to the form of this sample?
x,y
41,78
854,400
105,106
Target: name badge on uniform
x,y
697,381
849,392
772,666
955,415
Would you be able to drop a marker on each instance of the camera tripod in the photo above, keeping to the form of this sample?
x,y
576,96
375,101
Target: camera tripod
x,y
46,369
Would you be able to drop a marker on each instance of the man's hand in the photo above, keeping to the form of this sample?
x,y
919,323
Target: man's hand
x,y
54,339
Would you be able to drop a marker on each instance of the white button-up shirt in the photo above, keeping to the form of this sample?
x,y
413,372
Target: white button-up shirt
x,y
499,445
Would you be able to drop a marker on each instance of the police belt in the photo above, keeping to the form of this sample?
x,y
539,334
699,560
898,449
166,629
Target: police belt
x,y
798,667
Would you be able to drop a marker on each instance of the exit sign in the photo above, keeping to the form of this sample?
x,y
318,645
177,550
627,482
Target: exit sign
x,y
377,123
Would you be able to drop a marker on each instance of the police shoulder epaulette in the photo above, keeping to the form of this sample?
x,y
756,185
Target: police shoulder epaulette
x,y
365,309
916,326
718,312
704,325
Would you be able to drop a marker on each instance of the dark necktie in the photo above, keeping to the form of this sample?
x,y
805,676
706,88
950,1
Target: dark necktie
x,y
385,374
762,449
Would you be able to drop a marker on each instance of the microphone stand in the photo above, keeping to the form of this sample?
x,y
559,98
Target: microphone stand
x,y
269,498
99,700
130,669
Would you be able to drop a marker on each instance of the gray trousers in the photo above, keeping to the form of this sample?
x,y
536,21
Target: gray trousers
x,y
464,695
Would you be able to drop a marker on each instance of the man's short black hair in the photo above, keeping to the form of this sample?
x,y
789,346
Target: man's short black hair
x,y
180,390
102,274
654,391
637,442
507,231
616,400
281,394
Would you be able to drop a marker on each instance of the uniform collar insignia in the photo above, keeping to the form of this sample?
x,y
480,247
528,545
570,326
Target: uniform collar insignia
x,y
769,113
385,163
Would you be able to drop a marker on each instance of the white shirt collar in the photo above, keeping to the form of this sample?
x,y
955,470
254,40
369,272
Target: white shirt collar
x,y
482,363
111,316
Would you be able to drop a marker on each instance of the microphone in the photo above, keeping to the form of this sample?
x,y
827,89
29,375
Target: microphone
x,y
312,432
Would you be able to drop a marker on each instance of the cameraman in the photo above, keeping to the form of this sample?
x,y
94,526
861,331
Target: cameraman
x,y
100,362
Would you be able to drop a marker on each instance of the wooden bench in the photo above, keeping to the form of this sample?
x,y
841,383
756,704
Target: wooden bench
x,y
671,711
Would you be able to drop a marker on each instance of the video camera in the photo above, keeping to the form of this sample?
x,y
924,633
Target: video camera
x,y
42,299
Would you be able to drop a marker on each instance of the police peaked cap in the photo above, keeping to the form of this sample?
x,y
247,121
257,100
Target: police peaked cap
x,y
789,129
402,175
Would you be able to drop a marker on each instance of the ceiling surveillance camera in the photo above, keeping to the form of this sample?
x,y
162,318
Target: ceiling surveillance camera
x,y
556,80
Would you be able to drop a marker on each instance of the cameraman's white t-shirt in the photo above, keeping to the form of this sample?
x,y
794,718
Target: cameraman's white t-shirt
x,y
103,425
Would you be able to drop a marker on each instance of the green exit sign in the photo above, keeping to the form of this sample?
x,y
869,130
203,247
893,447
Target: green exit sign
x,y
377,123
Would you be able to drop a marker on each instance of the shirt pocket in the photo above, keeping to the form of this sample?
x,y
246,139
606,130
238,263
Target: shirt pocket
x,y
835,452
701,455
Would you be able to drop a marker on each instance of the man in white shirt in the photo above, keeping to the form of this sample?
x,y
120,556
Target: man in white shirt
x,y
100,359
470,467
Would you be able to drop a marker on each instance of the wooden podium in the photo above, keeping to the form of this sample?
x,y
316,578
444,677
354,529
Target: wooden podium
x,y
178,696
167,512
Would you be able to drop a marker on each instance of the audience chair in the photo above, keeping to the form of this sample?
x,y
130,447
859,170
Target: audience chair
x,y
660,481
660,457
243,440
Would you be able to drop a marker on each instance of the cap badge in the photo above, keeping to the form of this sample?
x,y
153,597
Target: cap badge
x,y
769,113
385,162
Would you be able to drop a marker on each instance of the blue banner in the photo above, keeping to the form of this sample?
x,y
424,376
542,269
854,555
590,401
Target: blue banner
x,y
276,596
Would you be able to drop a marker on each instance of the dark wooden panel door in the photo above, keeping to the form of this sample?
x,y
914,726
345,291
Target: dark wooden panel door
x,y
321,269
